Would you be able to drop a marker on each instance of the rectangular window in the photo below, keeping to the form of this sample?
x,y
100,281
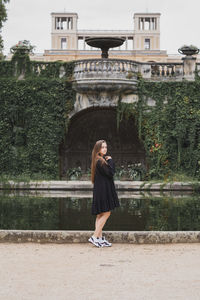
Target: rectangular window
x,y
130,43
63,43
63,23
80,43
147,44
147,24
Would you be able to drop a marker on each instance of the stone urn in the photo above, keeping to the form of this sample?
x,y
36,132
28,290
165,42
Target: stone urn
x,y
22,48
20,52
188,50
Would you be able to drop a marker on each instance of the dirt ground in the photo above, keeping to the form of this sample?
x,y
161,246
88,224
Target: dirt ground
x,y
82,271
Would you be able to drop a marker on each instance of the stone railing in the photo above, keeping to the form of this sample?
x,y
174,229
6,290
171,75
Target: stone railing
x,y
166,69
113,69
117,68
161,71
105,74
37,68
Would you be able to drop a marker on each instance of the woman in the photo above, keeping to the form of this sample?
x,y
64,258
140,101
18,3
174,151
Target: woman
x,y
104,195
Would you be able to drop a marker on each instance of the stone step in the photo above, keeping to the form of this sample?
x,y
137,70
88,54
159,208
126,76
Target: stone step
x,y
81,236
87,185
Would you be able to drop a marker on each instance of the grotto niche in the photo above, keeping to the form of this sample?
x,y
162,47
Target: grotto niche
x,y
90,125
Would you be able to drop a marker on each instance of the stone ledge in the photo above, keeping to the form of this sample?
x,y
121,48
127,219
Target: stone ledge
x,y
87,185
122,194
74,236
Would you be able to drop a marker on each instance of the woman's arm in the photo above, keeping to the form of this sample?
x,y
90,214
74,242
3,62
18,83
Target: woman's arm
x,y
111,164
106,169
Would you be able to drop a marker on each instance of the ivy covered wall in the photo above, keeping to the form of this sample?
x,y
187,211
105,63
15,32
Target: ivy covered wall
x,y
170,129
33,121
33,117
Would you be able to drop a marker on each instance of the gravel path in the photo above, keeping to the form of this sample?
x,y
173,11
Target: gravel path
x,y
83,272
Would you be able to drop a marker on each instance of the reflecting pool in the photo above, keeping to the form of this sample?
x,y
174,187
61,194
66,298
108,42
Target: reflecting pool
x,y
68,210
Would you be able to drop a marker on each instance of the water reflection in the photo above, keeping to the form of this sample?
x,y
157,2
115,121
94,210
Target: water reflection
x,y
69,210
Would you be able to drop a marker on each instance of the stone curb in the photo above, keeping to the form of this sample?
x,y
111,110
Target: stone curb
x,y
73,236
87,185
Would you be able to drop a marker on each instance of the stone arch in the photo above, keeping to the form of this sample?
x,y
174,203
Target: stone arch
x,y
92,124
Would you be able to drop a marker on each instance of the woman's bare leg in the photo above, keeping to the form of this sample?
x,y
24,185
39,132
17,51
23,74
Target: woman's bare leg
x,y
100,222
96,223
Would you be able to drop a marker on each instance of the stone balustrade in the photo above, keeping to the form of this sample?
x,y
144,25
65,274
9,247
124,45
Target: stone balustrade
x,y
166,70
105,74
59,69
106,68
117,69
161,71
108,74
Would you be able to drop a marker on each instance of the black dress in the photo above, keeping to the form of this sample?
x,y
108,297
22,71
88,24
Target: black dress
x,y
104,194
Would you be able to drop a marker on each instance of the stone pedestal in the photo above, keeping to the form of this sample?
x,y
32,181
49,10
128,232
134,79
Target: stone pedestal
x,y
189,64
145,70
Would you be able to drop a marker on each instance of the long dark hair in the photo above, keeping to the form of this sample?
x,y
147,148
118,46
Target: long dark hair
x,y
95,157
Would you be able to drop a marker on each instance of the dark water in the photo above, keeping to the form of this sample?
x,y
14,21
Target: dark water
x,y
140,212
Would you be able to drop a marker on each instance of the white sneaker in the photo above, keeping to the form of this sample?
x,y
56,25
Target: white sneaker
x,y
95,241
104,242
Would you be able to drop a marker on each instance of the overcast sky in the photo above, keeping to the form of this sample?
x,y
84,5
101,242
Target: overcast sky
x,y
31,19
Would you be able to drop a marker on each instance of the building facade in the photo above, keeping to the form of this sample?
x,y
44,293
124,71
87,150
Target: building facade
x,y
141,44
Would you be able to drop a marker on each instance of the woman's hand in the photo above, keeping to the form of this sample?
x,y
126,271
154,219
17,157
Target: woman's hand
x,y
107,157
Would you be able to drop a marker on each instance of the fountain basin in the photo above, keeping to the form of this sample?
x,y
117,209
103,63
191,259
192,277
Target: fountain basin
x,y
104,43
